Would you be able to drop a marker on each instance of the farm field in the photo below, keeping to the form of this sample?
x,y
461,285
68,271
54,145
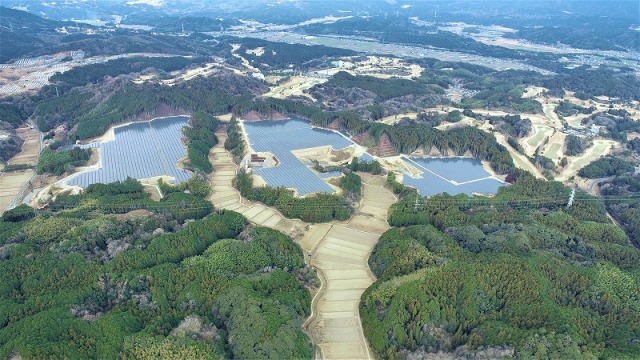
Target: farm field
x,y
10,185
30,148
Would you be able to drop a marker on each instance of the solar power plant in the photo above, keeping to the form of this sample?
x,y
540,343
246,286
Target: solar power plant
x,y
280,138
140,150
330,174
365,157
453,176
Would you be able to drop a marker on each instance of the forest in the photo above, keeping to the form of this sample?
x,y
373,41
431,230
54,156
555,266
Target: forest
x,y
622,196
315,209
86,281
575,145
95,72
10,146
60,162
607,166
280,55
200,139
618,123
519,275
384,89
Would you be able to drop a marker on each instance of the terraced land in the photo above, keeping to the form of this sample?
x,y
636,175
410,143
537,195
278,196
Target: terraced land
x,y
339,251
341,256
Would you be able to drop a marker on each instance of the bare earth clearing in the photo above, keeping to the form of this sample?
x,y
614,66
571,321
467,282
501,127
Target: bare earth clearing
x,y
30,148
10,185
15,79
376,66
339,250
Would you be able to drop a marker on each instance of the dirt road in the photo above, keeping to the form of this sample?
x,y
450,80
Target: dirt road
x,y
338,250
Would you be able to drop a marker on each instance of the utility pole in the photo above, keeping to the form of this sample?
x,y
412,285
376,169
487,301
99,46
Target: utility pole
x,y
573,193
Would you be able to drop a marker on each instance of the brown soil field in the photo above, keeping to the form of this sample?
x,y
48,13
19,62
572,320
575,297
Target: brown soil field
x,y
341,255
30,148
10,185
295,86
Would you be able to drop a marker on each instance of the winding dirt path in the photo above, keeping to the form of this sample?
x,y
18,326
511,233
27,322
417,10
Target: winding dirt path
x,y
338,250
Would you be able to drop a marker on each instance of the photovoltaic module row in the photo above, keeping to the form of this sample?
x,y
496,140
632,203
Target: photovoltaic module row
x,y
140,150
281,138
451,175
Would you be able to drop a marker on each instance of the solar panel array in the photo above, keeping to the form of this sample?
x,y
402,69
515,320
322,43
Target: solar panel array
x,y
140,150
365,157
438,174
280,138
454,168
330,174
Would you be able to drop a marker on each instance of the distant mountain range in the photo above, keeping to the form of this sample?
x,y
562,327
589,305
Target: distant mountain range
x,y
28,26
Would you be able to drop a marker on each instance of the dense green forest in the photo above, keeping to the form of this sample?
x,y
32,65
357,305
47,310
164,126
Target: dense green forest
x,y
12,115
95,72
176,24
616,124
575,145
518,275
607,166
234,142
567,108
10,146
38,36
280,55
318,208
201,138
81,281
595,82
59,162
384,89
500,94
214,95
622,196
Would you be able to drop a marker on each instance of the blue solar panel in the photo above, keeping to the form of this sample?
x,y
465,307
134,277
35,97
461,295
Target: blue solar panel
x,y
330,174
453,176
365,157
280,138
140,150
